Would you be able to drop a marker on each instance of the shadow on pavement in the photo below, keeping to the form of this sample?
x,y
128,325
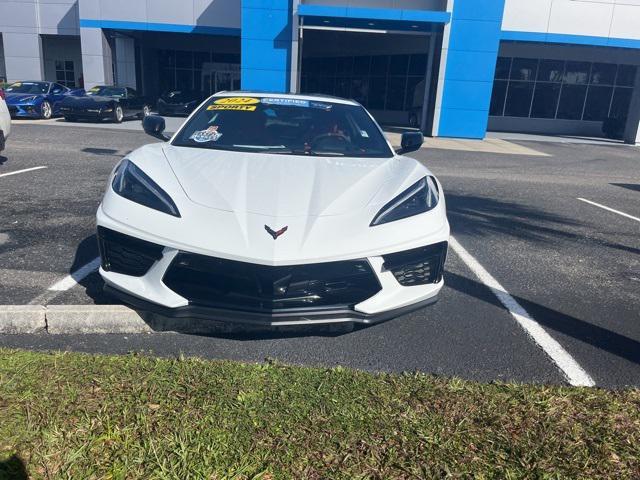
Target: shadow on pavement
x,y
14,469
585,332
629,186
482,216
101,151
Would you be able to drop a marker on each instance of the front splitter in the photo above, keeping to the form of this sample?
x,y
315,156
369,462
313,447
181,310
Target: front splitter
x,y
317,316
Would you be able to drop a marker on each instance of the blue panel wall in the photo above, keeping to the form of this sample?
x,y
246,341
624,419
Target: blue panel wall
x,y
266,44
471,61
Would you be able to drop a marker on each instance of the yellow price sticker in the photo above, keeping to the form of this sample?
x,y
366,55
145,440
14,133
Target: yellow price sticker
x,y
242,108
237,101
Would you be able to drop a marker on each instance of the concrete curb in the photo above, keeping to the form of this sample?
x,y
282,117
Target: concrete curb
x,y
16,319
115,319
82,319
58,319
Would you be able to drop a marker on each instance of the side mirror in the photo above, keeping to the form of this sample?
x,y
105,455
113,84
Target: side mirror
x,y
411,141
154,125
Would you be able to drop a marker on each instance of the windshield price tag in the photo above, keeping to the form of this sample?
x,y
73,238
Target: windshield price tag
x,y
242,108
236,101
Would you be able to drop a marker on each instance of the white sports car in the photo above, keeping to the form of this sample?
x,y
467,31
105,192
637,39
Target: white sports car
x,y
274,209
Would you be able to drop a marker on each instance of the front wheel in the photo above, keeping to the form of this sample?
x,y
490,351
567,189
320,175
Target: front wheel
x,y
45,110
118,114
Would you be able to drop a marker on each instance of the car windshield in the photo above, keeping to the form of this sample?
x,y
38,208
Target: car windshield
x,y
107,92
36,88
284,125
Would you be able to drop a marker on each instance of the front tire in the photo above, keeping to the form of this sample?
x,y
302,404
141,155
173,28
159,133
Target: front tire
x,y
46,111
118,114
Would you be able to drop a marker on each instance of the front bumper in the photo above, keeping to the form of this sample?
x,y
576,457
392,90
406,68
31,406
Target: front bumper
x,y
24,111
95,115
180,284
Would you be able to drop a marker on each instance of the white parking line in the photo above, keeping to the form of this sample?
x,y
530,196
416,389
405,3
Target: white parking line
x,y
21,171
609,209
72,280
574,373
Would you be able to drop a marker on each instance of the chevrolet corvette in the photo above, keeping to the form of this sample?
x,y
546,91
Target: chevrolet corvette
x,y
105,103
275,209
36,99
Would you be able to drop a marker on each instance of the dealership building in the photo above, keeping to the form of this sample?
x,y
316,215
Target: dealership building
x,y
456,68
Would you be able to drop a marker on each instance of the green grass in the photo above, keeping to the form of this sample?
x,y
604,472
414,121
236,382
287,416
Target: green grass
x,y
82,417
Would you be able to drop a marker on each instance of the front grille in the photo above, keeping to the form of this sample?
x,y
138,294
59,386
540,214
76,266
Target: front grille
x,y
218,283
420,266
127,255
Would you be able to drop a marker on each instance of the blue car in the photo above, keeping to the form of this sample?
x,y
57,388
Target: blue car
x,y
35,99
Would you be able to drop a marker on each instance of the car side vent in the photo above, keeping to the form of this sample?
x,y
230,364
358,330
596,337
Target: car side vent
x,y
121,253
420,266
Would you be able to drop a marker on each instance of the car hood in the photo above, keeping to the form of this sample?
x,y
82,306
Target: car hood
x,y
19,97
282,185
88,101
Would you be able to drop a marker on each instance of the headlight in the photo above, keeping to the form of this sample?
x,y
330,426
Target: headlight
x,y
420,197
133,184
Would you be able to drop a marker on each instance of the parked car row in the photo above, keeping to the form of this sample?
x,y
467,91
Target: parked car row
x,y
45,100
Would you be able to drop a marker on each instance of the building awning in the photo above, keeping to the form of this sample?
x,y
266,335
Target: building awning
x,y
371,18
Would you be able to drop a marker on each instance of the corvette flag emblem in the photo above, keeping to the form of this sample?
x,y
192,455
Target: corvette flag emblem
x,y
275,234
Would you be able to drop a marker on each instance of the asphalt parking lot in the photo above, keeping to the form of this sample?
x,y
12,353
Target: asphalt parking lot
x,y
558,233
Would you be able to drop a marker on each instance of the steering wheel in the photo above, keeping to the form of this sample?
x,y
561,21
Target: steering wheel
x,y
341,141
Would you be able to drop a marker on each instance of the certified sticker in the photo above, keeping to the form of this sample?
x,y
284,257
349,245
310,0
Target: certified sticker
x,y
287,102
242,108
236,101
211,134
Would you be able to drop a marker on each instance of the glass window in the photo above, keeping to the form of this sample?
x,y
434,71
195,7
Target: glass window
x,y
545,100
342,86
184,79
361,65
276,126
415,92
497,98
626,75
620,103
359,89
379,65
395,93
418,65
519,95
572,99
184,59
524,69
603,73
65,73
200,58
550,71
327,85
377,92
598,102
399,65
344,66
503,66
577,72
